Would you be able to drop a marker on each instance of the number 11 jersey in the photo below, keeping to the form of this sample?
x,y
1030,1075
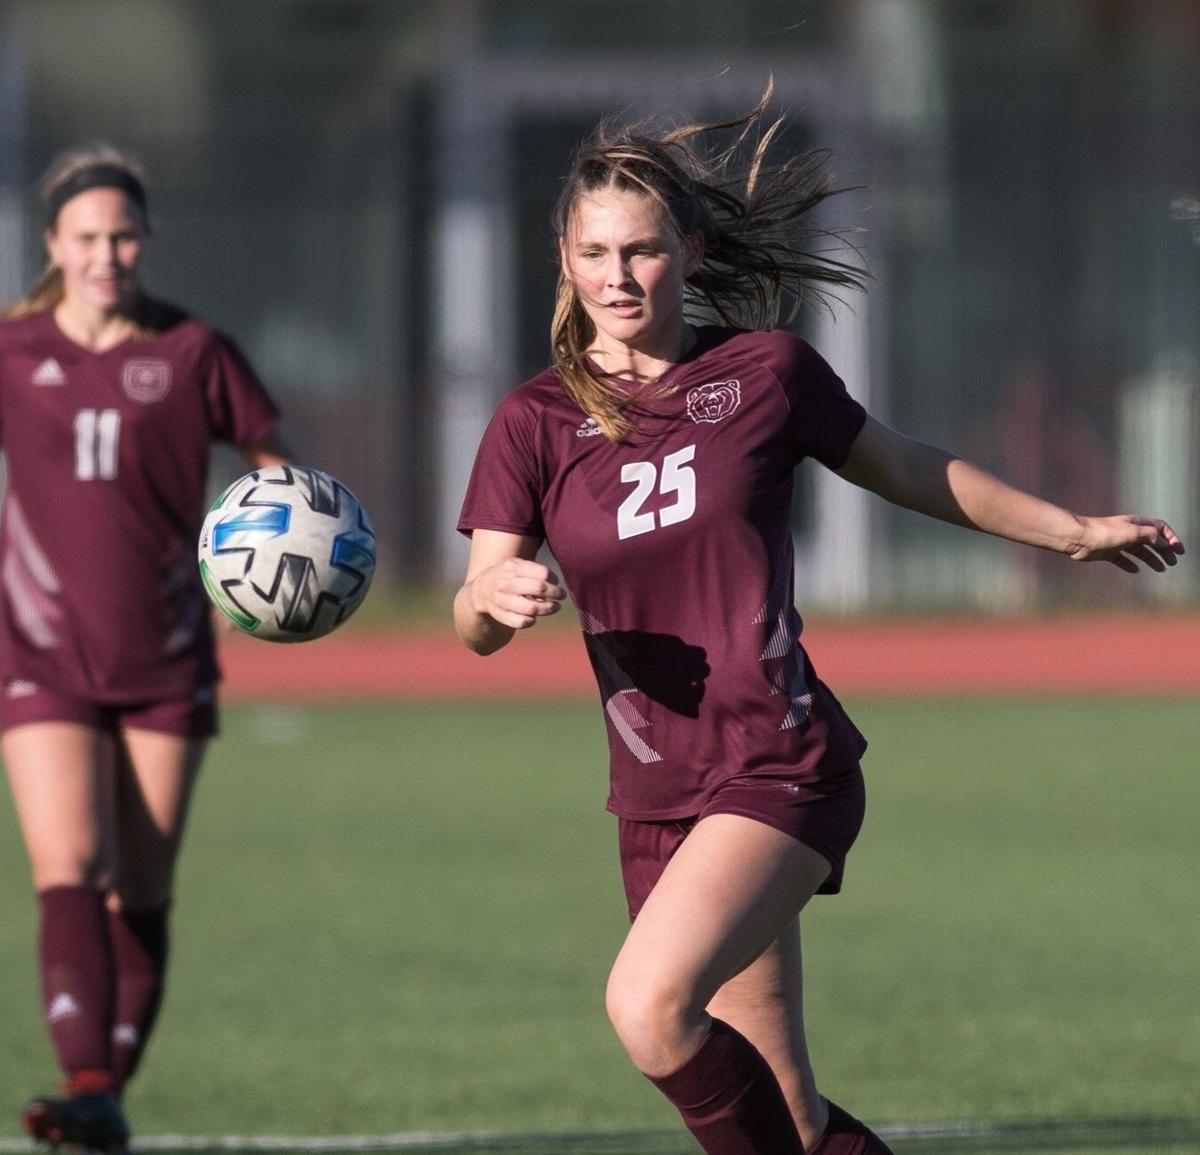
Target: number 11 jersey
x,y
107,457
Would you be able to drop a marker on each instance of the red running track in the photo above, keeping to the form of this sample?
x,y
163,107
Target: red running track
x,y
1109,655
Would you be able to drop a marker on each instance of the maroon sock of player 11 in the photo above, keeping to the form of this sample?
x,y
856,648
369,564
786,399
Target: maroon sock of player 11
x,y
730,1099
76,968
139,943
845,1135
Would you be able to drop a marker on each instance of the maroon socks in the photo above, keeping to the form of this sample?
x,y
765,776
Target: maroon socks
x,y
845,1135
731,1101
75,963
139,951
102,984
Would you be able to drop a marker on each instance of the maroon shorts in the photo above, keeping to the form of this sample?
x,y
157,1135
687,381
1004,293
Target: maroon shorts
x,y
186,716
825,816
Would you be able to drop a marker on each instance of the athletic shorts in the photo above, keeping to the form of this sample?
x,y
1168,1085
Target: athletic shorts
x,y
826,816
186,716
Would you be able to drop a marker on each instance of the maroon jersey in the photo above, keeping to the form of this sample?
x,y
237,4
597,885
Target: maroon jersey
x,y
677,550
107,465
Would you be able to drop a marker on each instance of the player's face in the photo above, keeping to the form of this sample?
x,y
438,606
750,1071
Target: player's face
x,y
97,243
628,269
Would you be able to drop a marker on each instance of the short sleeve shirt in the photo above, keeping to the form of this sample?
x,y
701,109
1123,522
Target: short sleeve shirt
x,y
107,458
676,547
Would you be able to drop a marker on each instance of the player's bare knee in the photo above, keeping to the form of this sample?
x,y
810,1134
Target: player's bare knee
x,y
93,871
650,1014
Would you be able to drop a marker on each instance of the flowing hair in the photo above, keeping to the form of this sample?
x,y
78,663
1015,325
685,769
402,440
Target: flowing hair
x,y
47,291
761,250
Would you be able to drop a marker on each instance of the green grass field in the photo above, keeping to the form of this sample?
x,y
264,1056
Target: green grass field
x,y
400,920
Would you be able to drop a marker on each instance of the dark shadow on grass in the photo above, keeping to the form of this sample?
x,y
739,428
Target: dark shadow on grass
x,y
1049,1135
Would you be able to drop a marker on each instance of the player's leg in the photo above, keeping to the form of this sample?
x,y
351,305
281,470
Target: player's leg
x,y
156,774
62,779
765,1003
728,893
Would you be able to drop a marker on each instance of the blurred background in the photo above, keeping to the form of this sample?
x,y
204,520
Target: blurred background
x,y
358,191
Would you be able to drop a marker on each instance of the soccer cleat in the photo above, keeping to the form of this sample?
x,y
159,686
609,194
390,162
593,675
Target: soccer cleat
x,y
93,1121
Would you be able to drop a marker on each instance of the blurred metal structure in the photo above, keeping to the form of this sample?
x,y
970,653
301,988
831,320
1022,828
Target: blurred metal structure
x,y
358,190
13,88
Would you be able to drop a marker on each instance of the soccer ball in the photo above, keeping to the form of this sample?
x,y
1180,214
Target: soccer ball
x,y
287,553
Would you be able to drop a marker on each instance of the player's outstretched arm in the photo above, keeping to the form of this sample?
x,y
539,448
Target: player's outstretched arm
x,y
939,484
505,590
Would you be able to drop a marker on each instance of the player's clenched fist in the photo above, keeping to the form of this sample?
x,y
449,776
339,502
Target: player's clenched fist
x,y
516,592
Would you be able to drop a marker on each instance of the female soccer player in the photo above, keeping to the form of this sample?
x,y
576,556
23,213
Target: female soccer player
x,y
655,458
109,400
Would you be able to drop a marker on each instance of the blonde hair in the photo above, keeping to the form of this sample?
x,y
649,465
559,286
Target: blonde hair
x,y
47,291
760,249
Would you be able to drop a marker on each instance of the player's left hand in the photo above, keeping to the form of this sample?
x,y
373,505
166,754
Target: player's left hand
x,y
1126,540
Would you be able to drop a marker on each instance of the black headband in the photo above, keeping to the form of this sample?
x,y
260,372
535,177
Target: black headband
x,y
94,176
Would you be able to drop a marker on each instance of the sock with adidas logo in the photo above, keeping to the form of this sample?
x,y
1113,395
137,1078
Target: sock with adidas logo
x,y
139,941
76,968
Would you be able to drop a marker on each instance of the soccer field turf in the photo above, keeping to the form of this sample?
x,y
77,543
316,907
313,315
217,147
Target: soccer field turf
x,y
399,919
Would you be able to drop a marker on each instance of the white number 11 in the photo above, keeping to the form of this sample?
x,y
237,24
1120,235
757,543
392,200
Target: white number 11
x,y
96,436
676,477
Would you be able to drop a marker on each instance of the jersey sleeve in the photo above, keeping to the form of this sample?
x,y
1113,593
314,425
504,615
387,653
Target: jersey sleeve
x,y
240,410
3,388
823,419
504,492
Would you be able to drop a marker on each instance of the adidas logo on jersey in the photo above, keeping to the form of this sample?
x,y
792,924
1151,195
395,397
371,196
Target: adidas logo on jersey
x,y
64,1006
49,372
588,428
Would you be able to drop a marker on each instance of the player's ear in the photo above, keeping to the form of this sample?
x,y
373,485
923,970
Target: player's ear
x,y
51,241
563,265
693,253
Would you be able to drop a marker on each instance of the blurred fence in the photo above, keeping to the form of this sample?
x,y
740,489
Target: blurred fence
x,y
358,190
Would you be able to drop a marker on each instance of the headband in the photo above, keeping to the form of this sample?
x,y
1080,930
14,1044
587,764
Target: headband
x,y
94,176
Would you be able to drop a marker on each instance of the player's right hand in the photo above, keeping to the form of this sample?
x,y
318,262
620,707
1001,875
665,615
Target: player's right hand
x,y
516,592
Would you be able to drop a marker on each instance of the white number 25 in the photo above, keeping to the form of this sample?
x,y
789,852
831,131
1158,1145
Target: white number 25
x,y
676,477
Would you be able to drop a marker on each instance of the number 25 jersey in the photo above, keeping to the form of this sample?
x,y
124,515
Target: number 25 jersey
x,y
676,547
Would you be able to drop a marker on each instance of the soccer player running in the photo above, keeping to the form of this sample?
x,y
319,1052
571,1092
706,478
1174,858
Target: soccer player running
x,y
655,459
109,401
